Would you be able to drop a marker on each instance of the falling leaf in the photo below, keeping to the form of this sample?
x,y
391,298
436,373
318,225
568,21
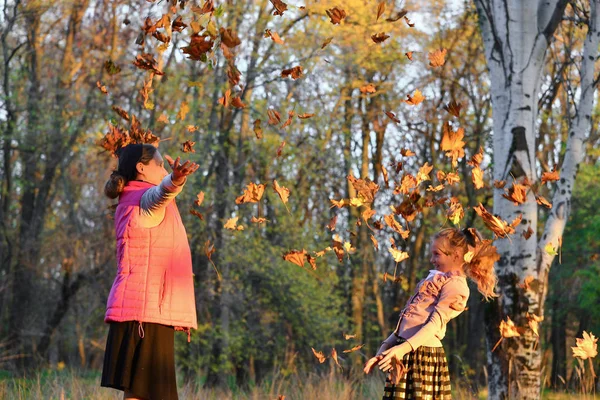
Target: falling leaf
x,y
305,116
375,242
229,38
452,143
380,10
360,346
517,193
336,15
283,192
294,72
415,99
209,250
379,37
295,257
338,203
550,176
533,321
197,214
437,58
368,88
367,214
320,356
289,120
199,198
365,188
259,220
178,25
326,42
274,36
183,110
384,172
257,129
423,174
232,224
395,225
477,158
455,212
274,117
280,148
497,225
348,337
392,116
398,255
527,234
122,113
224,101
163,119
101,87
435,188
453,108
586,347
550,250
527,282
407,152
409,55
146,61
252,193
280,7
477,177
508,328
541,200
499,184
335,357
237,102
187,146
198,47
332,223
408,22
111,68
398,15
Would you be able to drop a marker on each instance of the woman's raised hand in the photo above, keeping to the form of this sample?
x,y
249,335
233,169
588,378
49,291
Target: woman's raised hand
x,y
371,363
180,171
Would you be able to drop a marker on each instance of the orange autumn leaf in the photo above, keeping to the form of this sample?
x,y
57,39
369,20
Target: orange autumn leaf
x,y
289,120
237,103
338,203
423,174
542,201
527,282
224,101
320,356
274,36
305,116
380,10
384,172
453,108
392,116
257,129
586,347
407,152
295,257
274,117
163,119
527,234
408,22
477,177
312,261
395,225
187,146
280,148
294,72
476,159
367,214
191,128
336,15
508,328
365,188
550,176
122,113
146,61
407,183
437,58
415,99
398,15
368,88
283,192
231,224
497,225
355,348
101,87
229,37
183,110
209,250
452,143
198,47
517,193
199,198
197,214
499,184
349,336
259,220
533,322
326,42
379,37
398,255
335,357
375,242
332,223
252,193
455,212
280,7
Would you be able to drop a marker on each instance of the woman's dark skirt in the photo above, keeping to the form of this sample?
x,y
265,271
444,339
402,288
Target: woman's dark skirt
x,y
427,376
140,360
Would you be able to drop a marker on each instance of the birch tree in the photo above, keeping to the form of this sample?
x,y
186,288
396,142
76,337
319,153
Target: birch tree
x,y
516,37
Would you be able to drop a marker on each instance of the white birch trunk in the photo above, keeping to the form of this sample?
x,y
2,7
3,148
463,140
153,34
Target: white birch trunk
x,y
516,36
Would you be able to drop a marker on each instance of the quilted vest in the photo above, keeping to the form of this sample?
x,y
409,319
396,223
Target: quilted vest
x,y
154,281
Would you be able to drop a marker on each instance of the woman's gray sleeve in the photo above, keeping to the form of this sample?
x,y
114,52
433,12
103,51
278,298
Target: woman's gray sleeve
x,y
159,196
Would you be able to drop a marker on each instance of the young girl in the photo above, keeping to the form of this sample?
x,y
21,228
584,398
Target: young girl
x,y
153,292
413,354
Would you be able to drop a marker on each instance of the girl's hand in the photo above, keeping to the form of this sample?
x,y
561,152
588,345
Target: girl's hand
x,y
393,356
371,363
181,171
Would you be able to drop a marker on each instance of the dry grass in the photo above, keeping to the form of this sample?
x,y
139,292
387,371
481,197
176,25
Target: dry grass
x,y
76,385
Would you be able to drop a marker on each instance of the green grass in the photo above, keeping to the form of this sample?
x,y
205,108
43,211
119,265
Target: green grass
x,y
71,384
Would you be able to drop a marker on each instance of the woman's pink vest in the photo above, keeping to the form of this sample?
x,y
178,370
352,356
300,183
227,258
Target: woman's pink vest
x,y
154,281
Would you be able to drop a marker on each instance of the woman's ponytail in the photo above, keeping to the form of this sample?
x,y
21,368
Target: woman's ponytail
x,y
114,186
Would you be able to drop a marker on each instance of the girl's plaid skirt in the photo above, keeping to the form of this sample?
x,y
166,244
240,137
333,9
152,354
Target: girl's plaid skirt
x,y
427,376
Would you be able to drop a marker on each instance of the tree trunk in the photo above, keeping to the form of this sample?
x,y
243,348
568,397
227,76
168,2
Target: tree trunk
x,y
516,36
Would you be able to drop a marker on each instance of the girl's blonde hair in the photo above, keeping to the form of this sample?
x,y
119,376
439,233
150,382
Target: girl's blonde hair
x,y
479,256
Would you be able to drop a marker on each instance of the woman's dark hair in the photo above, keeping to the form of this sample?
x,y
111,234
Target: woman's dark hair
x,y
129,156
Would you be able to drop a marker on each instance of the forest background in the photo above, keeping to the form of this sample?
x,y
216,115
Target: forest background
x,y
74,79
